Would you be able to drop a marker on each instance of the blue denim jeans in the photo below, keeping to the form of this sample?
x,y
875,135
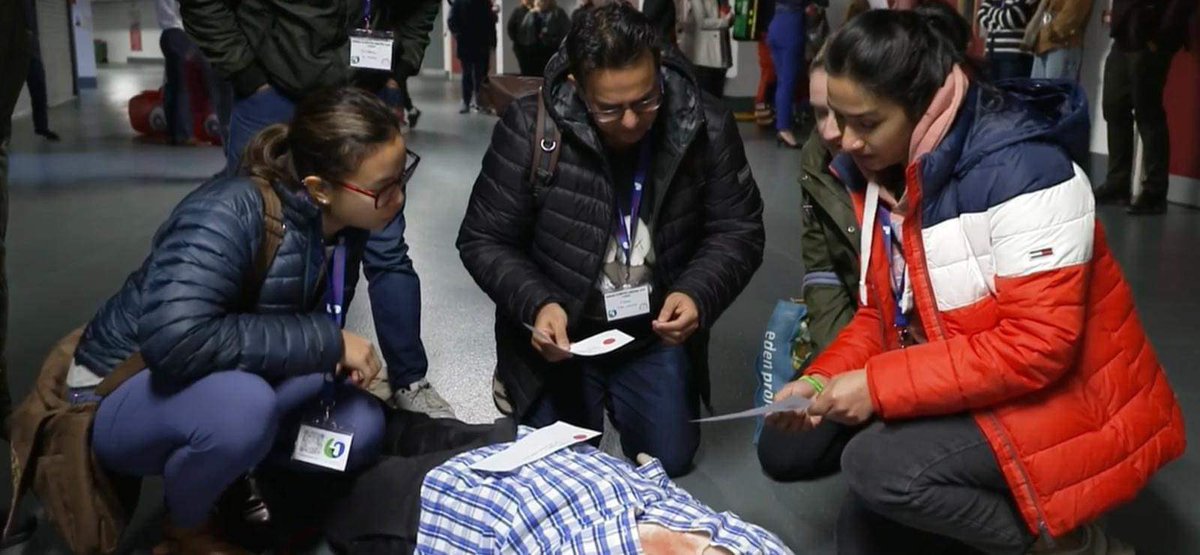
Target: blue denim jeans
x,y
1058,64
650,398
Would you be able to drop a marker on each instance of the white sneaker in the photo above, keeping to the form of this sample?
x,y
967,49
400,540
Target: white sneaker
x,y
422,397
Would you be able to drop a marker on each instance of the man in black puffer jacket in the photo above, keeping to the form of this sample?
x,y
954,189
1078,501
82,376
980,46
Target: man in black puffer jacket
x,y
640,145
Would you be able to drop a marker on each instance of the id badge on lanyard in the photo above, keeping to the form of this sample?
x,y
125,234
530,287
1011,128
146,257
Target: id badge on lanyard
x,y
321,442
370,49
900,321
629,302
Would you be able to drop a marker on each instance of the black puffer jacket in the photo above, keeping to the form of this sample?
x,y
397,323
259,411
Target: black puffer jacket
x,y
185,308
298,47
527,252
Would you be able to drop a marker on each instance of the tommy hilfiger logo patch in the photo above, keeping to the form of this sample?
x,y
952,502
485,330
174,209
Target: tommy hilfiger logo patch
x,y
1041,253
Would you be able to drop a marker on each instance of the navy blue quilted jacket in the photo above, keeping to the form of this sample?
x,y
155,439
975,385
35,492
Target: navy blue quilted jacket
x,y
185,309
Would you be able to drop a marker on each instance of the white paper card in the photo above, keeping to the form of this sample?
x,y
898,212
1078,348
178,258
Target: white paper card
x,y
627,303
371,53
324,448
878,4
600,344
595,345
535,445
789,404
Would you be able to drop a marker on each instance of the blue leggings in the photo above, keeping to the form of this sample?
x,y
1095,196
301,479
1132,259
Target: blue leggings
x,y
785,37
204,437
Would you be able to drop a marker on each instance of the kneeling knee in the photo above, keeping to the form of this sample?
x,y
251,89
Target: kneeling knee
x,y
870,475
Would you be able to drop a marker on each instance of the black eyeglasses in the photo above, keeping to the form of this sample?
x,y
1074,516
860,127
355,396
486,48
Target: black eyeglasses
x,y
392,190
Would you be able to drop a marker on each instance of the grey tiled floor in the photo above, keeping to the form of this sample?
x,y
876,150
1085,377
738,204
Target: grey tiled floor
x,y
83,212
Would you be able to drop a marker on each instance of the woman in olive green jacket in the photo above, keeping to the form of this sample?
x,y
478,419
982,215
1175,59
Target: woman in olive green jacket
x,y
830,240
830,250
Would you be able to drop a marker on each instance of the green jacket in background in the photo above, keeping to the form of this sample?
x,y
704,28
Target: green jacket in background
x,y
829,246
298,47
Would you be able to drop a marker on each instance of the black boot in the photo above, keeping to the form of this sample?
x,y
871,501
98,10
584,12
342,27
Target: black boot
x,y
1147,205
22,530
1109,194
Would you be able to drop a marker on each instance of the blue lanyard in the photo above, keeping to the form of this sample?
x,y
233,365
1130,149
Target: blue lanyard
x,y
627,231
898,286
367,14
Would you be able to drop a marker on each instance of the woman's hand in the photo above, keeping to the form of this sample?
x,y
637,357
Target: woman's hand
x,y
360,363
847,399
795,420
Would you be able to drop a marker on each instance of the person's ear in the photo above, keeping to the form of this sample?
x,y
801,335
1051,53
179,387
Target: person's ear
x,y
319,190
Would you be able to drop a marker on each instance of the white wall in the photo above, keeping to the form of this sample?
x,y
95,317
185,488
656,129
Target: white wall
x,y
111,23
54,30
85,53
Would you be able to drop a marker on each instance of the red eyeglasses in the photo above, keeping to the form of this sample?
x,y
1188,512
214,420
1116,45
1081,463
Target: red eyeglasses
x,y
392,190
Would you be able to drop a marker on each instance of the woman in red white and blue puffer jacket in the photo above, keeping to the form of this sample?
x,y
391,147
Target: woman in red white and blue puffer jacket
x,y
997,379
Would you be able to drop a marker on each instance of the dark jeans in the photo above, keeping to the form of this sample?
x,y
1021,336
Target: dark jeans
x,y
473,75
200,439
1133,91
36,81
177,48
920,486
1008,65
397,97
711,80
395,288
650,398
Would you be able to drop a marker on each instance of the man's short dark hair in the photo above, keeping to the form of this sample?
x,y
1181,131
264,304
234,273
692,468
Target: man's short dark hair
x,y
612,36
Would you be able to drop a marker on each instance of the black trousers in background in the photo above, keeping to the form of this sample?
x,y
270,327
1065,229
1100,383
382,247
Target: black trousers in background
x,y
1133,92
923,487
14,60
35,79
1009,65
711,80
473,73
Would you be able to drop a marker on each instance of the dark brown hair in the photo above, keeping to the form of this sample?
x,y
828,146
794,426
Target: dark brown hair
x,y
903,55
331,133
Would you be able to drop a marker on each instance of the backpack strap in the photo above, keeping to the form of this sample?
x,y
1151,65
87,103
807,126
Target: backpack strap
x,y
547,139
272,237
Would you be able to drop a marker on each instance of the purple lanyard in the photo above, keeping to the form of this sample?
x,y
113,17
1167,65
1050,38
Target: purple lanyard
x,y
367,14
627,232
335,296
901,320
335,299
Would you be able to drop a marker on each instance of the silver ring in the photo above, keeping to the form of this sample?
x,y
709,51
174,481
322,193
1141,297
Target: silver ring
x,y
548,145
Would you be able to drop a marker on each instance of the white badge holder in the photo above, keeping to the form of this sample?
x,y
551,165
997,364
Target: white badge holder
x,y
371,50
321,443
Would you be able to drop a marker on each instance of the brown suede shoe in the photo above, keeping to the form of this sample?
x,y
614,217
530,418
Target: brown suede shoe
x,y
195,541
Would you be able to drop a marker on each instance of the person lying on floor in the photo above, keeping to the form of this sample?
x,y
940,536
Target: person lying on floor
x,y
235,369
428,500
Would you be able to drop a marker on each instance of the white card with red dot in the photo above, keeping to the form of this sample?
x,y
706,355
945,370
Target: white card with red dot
x,y
600,344
535,445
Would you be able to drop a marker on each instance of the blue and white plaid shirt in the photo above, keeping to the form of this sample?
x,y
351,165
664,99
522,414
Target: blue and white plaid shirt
x,y
576,501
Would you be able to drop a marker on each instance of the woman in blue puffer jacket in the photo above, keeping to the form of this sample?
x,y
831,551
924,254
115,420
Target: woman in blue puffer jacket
x,y
234,381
